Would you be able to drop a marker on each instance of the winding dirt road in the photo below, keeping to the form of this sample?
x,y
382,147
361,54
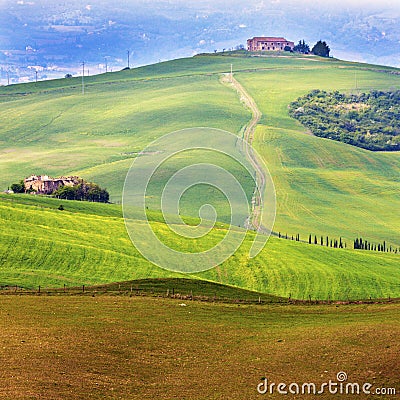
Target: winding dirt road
x,y
255,219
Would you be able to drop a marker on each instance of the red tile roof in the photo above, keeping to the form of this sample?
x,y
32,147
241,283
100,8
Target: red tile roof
x,y
270,39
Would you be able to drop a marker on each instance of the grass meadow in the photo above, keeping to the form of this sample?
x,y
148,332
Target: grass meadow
x,y
88,244
97,135
323,187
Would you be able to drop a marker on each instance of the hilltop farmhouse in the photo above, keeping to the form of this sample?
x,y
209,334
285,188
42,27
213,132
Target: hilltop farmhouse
x,y
268,44
43,184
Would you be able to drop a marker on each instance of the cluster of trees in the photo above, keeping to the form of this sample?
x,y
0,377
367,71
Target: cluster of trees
x,y
302,47
320,48
367,120
360,244
83,191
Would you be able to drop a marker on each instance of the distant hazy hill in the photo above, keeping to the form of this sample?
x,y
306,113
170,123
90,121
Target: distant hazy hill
x,y
49,34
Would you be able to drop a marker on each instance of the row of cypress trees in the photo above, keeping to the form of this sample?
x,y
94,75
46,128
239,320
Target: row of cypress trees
x,y
359,243
337,244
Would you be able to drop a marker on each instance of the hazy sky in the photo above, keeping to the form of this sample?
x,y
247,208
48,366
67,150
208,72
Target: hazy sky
x,y
35,32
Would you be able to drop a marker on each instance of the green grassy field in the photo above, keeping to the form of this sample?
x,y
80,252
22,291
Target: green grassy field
x,y
88,244
123,338
51,128
323,187
97,135
72,347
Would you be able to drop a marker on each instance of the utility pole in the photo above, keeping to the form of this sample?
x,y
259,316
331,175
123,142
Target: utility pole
x,y
105,59
35,76
128,59
8,78
83,77
231,73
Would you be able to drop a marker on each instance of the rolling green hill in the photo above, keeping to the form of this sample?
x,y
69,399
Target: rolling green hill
x,y
323,187
87,244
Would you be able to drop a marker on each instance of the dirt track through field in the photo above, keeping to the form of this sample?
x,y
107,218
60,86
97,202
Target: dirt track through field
x,y
255,219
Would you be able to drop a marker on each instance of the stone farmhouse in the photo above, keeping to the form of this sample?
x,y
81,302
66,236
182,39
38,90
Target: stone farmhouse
x,y
268,44
43,184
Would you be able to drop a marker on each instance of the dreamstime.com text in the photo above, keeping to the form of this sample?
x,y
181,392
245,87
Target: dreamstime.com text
x,y
340,386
